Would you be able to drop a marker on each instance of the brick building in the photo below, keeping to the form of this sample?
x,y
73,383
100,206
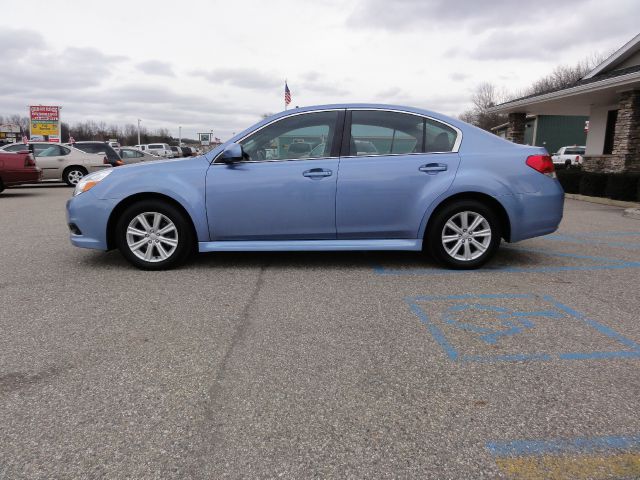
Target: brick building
x,y
610,96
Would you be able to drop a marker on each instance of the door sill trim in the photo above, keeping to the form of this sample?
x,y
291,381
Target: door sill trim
x,y
310,245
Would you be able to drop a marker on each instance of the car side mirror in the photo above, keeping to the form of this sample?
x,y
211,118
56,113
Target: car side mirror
x,y
232,153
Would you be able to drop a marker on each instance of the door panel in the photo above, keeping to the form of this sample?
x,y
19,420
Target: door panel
x,y
387,196
272,200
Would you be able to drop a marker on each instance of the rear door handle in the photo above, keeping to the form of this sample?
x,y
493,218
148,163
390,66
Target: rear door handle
x,y
317,173
433,168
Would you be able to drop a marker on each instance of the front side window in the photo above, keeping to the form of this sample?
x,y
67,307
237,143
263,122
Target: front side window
x,y
303,136
156,146
394,133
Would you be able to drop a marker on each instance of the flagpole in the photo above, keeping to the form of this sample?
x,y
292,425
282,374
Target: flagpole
x,y
285,96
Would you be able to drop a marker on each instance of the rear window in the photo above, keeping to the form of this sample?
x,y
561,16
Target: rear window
x,y
574,151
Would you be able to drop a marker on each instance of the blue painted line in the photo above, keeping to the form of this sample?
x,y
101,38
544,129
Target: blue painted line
x,y
455,355
559,446
435,332
598,326
428,298
598,355
606,263
517,357
591,241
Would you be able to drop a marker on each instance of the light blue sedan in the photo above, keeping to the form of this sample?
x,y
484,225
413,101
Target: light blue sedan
x,y
334,177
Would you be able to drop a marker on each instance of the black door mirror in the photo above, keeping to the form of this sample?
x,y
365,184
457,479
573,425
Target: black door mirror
x,y
232,153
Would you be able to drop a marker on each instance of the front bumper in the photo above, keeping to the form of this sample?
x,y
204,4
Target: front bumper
x,y
87,217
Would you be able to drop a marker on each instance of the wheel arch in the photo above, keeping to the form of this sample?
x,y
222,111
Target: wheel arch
x,y
492,202
130,200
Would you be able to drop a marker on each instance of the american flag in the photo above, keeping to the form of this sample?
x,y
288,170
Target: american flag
x,y
287,94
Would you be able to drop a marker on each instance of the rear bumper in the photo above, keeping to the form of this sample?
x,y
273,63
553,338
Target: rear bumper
x,y
24,175
87,218
536,214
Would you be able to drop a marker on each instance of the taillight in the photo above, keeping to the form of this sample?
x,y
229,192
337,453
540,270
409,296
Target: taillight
x,y
29,161
543,164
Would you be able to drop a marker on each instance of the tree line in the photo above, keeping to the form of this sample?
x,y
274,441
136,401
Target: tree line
x,y
487,95
91,130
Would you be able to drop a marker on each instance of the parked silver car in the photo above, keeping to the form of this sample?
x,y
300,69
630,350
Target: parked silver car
x,y
62,162
133,155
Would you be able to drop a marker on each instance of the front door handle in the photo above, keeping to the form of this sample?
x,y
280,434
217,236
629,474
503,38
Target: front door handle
x,y
432,168
317,173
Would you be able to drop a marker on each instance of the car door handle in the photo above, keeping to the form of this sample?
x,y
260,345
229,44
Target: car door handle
x,y
432,168
317,173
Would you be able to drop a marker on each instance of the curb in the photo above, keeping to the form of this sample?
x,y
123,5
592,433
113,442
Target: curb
x,y
632,213
603,201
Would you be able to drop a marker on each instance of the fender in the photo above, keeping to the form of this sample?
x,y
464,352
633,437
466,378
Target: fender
x,y
141,180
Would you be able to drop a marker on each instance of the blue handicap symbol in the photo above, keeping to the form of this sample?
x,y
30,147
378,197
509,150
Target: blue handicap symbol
x,y
513,322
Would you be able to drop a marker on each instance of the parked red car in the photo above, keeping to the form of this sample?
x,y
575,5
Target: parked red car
x,y
17,168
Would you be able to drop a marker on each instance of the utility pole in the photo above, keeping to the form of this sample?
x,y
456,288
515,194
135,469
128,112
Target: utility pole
x,y
180,136
139,131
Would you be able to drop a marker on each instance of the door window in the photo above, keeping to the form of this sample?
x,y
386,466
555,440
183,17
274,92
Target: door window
x,y
52,151
303,136
376,132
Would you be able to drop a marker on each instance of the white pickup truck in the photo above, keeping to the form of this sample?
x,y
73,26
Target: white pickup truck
x,y
569,156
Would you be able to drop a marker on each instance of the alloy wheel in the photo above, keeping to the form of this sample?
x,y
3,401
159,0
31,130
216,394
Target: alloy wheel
x,y
152,237
466,235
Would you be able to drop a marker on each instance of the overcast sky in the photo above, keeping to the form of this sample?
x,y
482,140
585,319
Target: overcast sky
x,y
209,65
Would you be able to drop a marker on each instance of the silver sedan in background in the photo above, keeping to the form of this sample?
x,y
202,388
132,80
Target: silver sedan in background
x,y
133,155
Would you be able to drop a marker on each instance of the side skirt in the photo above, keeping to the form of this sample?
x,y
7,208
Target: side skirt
x,y
310,245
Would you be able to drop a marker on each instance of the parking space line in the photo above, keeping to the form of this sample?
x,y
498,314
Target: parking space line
x,y
603,263
511,323
560,459
591,240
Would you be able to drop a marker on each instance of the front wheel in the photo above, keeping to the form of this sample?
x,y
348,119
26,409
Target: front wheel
x,y
154,235
464,235
73,175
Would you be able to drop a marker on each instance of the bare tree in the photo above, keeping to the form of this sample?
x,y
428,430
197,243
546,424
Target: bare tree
x,y
485,96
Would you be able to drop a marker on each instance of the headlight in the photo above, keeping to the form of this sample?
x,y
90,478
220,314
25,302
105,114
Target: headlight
x,y
90,181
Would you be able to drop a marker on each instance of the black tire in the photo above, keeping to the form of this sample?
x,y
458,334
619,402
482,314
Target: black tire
x,y
1,186
567,163
183,235
73,174
434,241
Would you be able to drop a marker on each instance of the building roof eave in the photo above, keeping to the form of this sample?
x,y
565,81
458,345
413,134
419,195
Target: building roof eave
x,y
567,92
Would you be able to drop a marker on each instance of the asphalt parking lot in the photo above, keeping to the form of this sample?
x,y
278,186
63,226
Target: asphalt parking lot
x,y
319,365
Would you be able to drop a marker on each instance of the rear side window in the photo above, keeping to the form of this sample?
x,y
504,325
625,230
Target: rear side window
x,y
394,133
574,151
18,147
156,146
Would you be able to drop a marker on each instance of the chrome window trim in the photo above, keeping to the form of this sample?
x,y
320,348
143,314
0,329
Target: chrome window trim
x,y
454,149
272,122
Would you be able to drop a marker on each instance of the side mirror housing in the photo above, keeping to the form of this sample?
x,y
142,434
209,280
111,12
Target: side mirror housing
x,y
232,153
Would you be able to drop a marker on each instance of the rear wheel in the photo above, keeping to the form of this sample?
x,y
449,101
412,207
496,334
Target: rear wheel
x,y
464,234
72,175
154,235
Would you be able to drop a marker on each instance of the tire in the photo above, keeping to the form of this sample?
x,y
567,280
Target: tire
x,y
154,252
567,163
72,175
463,252
1,186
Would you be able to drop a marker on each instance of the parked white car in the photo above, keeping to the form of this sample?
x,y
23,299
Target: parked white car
x,y
133,155
159,149
63,162
569,156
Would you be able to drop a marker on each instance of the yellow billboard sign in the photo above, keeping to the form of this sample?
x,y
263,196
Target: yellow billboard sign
x,y
45,120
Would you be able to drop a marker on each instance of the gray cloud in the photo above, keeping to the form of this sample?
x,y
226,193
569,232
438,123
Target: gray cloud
x,y
18,42
240,77
156,67
319,83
